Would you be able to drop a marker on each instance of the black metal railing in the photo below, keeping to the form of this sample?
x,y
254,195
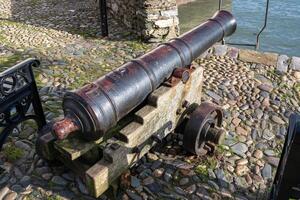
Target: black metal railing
x,y
18,93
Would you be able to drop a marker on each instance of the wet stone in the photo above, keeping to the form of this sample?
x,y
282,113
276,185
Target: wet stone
x,y
213,184
148,180
47,176
258,154
4,178
133,196
17,188
269,152
191,189
277,120
158,172
214,95
155,164
241,170
10,196
220,50
259,113
59,181
241,131
25,181
265,87
242,162
3,192
154,187
180,190
295,63
168,175
23,145
81,186
135,182
240,182
282,64
268,135
239,149
203,193
274,161
145,173
267,171
184,181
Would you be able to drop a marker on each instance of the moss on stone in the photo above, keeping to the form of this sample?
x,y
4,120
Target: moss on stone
x,y
53,197
12,153
9,61
34,2
202,170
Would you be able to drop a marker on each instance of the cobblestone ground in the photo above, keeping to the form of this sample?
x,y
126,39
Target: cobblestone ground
x,y
65,36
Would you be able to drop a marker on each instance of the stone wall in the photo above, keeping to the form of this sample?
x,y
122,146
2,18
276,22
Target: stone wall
x,y
152,20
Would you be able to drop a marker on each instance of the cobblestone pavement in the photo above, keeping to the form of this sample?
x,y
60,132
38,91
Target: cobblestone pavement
x,y
65,36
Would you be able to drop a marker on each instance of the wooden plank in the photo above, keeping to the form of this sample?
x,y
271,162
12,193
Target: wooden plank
x,y
167,100
103,173
151,119
73,148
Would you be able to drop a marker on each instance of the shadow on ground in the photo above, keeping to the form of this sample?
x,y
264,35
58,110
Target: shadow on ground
x,y
80,17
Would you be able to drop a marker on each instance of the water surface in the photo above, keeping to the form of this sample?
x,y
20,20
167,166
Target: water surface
x,y
282,34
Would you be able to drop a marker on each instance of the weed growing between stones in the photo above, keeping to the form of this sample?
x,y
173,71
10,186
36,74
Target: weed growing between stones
x,y
12,153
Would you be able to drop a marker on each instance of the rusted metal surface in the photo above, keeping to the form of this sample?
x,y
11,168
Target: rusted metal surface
x,y
63,127
98,106
203,130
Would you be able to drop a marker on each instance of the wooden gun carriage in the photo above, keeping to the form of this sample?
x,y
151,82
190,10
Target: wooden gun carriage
x,y
112,122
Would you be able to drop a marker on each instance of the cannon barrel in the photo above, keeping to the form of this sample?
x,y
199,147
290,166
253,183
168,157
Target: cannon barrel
x,y
98,106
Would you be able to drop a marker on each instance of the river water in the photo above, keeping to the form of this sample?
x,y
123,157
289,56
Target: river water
x,y
282,34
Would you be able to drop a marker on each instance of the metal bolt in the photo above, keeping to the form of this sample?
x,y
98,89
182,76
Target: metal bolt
x,y
185,104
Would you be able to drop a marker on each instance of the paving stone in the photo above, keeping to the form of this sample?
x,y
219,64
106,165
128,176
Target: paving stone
x,y
265,87
282,64
213,95
191,189
10,196
241,131
220,50
277,120
25,181
258,154
258,57
3,192
135,182
274,161
184,181
267,171
295,63
59,181
233,52
239,149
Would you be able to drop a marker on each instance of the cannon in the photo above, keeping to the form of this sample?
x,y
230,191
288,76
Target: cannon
x,y
92,110
111,123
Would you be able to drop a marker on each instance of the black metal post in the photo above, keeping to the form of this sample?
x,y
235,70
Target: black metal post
x,y
103,14
287,179
18,91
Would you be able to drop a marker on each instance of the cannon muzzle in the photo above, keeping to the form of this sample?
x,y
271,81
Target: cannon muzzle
x,y
98,106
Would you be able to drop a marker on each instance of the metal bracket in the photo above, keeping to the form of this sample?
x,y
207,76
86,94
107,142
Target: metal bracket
x,y
103,15
18,92
256,45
